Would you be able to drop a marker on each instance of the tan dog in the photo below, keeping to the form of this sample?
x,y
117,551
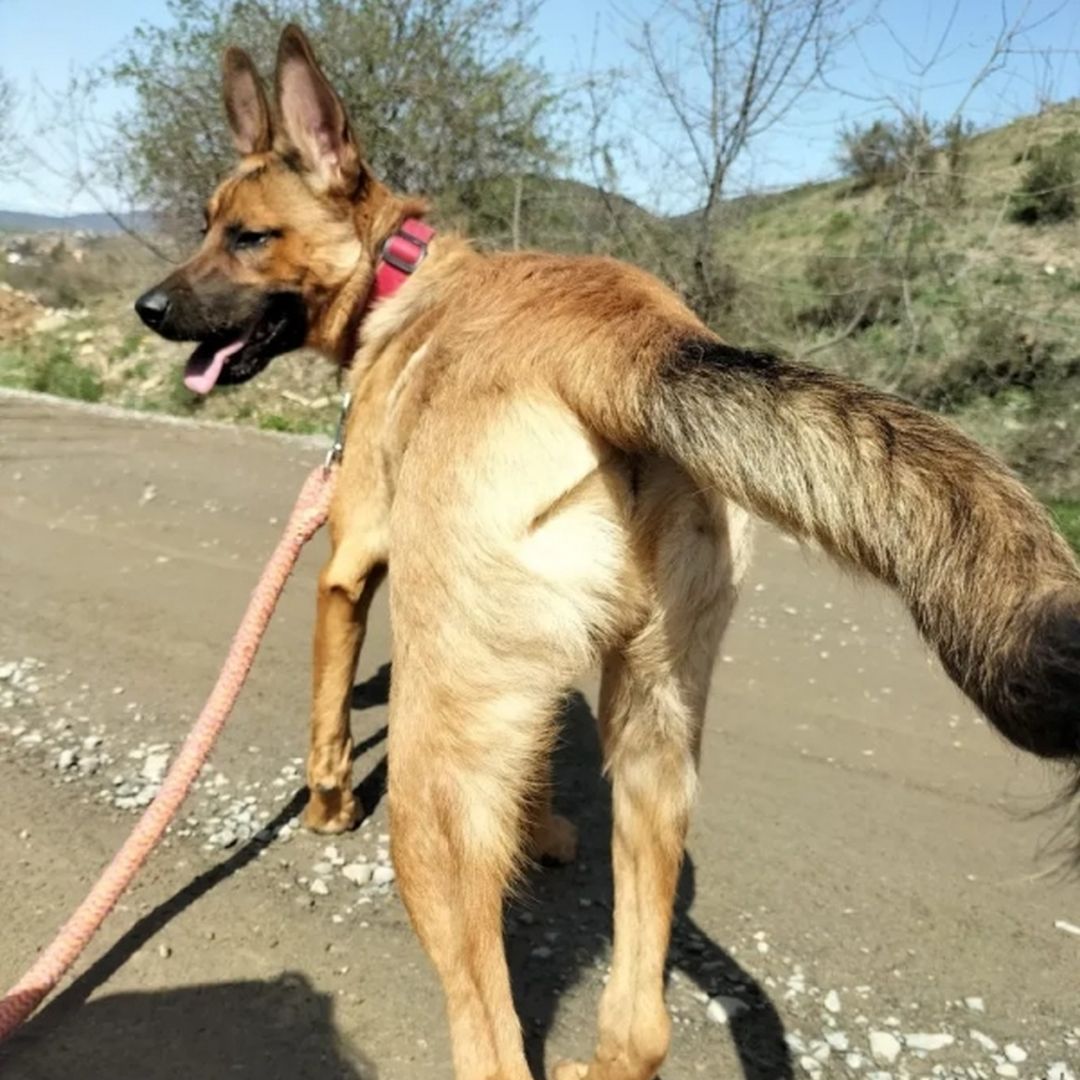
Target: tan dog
x,y
561,458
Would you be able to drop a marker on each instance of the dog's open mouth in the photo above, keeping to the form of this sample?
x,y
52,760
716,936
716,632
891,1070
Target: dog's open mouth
x,y
240,353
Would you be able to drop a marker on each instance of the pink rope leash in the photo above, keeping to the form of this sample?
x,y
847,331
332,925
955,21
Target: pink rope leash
x,y
310,512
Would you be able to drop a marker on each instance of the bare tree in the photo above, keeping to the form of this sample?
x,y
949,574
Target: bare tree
x,y
723,73
443,94
925,166
7,135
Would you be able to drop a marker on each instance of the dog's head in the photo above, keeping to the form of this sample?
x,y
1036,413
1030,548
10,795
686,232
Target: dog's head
x,y
296,224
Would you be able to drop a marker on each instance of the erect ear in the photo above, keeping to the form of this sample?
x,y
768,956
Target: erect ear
x,y
245,103
313,116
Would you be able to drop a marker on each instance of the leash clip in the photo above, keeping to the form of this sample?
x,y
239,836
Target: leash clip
x,y
337,447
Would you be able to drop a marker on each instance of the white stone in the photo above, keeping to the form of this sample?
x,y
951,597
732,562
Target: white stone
x,y
884,1046
1016,1054
984,1041
1060,1071
832,1001
358,873
929,1042
854,1061
155,766
382,875
319,887
723,1009
1009,1071
975,1004
838,1041
66,759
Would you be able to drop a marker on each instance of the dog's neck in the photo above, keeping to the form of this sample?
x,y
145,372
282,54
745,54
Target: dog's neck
x,y
377,218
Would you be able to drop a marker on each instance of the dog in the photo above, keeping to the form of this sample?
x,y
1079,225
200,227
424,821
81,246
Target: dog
x,y
564,462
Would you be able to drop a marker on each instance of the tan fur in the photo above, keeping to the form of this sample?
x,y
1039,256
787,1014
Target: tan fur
x,y
543,451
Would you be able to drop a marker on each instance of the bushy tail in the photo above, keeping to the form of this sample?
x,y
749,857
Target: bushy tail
x,y
884,486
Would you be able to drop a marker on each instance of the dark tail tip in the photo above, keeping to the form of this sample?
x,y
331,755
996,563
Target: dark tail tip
x,y
1036,704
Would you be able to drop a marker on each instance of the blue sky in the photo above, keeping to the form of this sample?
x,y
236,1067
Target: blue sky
x,y
42,44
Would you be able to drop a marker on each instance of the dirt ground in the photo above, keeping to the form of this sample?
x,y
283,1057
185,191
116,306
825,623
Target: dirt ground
x,y
862,895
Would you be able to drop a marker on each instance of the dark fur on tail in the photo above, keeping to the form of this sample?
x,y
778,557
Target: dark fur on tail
x,y
889,488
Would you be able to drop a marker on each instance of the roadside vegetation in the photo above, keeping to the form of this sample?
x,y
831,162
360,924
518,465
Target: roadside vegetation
x,y
944,264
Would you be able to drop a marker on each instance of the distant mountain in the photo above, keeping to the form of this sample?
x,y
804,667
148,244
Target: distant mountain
x,y
22,221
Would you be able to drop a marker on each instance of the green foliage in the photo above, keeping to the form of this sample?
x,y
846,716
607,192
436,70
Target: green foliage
x,y
1000,359
838,224
853,288
1048,192
277,422
883,152
53,370
442,93
179,399
129,345
888,152
1067,515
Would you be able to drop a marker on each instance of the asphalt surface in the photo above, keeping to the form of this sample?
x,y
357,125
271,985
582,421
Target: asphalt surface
x,y
861,864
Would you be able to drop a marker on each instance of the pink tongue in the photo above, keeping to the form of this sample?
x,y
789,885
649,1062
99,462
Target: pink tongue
x,y
201,375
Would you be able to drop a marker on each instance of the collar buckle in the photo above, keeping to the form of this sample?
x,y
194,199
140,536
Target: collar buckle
x,y
404,251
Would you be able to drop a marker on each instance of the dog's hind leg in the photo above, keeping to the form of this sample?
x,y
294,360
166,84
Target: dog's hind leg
x,y
653,774
459,792
652,705
553,839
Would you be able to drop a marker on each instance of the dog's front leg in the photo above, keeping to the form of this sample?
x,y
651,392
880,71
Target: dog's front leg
x,y
347,586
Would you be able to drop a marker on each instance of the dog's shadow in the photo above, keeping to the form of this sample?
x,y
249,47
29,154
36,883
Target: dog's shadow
x,y
560,927
563,913
247,1030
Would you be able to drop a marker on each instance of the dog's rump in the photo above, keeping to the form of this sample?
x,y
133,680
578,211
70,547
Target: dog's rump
x,y
888,488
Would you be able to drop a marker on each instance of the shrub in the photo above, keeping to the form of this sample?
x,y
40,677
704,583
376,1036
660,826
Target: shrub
x,y
56,372
852,288
1067,515
292,425
1048,191
886,150
1000,359
956,135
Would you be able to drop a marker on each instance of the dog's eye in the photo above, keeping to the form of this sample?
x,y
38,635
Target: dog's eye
x,y
248,239
251,239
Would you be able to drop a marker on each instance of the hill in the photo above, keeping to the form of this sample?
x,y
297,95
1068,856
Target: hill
x,y
20,221
922,284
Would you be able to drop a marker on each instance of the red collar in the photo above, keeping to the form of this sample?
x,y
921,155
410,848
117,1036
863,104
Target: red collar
x,y
402,253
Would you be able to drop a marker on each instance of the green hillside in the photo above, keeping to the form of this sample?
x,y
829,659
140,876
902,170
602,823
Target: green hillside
x,y
924,284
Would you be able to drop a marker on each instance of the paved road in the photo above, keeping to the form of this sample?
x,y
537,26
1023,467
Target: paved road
x,y
859,865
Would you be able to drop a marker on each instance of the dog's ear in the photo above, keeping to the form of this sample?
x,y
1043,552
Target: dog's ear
x,y
313,116
245,103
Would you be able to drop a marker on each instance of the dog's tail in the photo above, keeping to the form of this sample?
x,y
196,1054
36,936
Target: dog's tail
x,y
889,488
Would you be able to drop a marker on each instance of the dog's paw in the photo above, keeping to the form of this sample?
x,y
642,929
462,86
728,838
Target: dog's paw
x,y
570,1070
330,812
555,841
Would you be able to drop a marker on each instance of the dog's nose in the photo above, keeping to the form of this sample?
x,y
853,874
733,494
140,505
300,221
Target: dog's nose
x,y
152,307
